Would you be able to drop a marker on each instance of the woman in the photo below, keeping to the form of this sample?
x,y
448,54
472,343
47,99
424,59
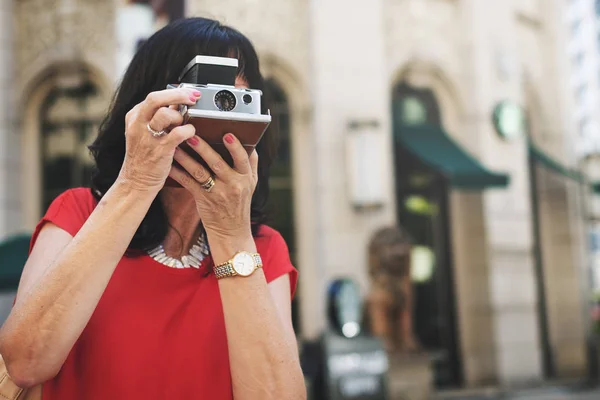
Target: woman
x,y
100,314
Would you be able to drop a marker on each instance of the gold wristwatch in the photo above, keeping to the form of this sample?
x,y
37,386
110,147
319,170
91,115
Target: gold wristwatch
x,y
242,264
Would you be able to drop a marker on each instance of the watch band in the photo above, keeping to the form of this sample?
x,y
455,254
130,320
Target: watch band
x,y
226,269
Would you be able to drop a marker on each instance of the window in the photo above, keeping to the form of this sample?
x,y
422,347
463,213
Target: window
x,y
597,4
580,93
413,111
281,196
584,124
70,116
281,170
575,27
413,106
578,59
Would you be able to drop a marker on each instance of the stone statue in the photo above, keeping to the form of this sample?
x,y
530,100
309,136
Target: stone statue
x,y
390,302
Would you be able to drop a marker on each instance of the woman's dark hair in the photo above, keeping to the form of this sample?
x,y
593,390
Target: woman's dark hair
x,y
158,62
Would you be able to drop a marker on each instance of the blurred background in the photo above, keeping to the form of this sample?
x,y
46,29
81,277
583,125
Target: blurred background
x,y
472,124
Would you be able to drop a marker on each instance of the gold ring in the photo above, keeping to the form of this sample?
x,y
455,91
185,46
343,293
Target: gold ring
x,y
155,133
209,184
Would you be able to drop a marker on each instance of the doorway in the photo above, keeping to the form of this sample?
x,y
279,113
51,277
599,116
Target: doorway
x,y
422,195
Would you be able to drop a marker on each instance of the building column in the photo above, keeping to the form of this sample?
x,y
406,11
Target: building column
x,y
10,213
350,84
512,298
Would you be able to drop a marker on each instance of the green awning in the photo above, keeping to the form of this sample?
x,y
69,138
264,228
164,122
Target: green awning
x,y
437,150
553,165
13,255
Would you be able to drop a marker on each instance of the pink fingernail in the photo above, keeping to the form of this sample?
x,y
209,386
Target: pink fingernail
x,y
196,93
193,141
229,138
193,98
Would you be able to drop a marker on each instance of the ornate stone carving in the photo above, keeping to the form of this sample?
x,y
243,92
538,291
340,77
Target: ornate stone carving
x,y
58,31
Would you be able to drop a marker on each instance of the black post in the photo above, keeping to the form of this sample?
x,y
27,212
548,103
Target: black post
x,y
547,356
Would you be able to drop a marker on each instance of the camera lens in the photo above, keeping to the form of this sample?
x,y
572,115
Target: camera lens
x,y
225,100
247,99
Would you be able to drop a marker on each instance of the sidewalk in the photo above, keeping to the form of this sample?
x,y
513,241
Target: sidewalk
x,y
533,394
557,395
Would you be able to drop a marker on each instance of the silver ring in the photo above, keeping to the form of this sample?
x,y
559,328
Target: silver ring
x,y
155,133
209,184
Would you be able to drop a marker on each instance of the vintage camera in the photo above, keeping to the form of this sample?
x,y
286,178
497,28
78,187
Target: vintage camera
x,y
222,108
228,99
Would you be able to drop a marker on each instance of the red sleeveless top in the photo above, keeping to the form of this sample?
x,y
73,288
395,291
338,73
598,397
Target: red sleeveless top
x,y
157,332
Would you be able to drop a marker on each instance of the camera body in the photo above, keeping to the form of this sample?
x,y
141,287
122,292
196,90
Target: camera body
x,y
226,99
222,108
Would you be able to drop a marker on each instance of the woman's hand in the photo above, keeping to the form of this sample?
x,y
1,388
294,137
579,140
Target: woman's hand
x,y
225,209
148,158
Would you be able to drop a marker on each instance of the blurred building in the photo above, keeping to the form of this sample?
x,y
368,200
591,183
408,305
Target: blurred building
x,y
449,117
583,50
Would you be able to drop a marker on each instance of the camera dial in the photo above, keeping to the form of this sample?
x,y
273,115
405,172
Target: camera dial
x,y
225,100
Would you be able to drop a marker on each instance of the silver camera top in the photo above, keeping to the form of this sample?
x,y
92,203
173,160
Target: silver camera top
x,y
226,98
215,79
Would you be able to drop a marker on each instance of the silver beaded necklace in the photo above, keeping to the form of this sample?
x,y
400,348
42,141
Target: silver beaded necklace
x,y
198,252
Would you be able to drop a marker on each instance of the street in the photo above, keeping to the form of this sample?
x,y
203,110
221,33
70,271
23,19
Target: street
x,y
537,394
557,395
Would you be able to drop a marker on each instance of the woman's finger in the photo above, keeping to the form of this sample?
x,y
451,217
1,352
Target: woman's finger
x,y
167,97
191,166
180,134
254,164
214,161
241,163
165,118
186,180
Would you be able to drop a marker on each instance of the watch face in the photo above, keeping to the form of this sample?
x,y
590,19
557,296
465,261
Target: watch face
x,y
243,263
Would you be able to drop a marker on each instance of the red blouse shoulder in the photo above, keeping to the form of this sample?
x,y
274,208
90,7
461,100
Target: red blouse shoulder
x,y
68,211
276,256
71,209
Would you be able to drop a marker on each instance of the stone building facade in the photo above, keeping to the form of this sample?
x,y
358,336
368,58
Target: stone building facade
x,y
515,256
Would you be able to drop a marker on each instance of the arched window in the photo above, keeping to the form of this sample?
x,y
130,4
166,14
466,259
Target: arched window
x,y
281,198
414,106
69,116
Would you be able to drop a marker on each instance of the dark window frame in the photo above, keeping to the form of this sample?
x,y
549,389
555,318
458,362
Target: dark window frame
x,y
282,212
62,173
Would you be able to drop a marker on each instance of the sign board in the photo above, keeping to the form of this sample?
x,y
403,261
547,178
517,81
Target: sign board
x,y
355,369
509,120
